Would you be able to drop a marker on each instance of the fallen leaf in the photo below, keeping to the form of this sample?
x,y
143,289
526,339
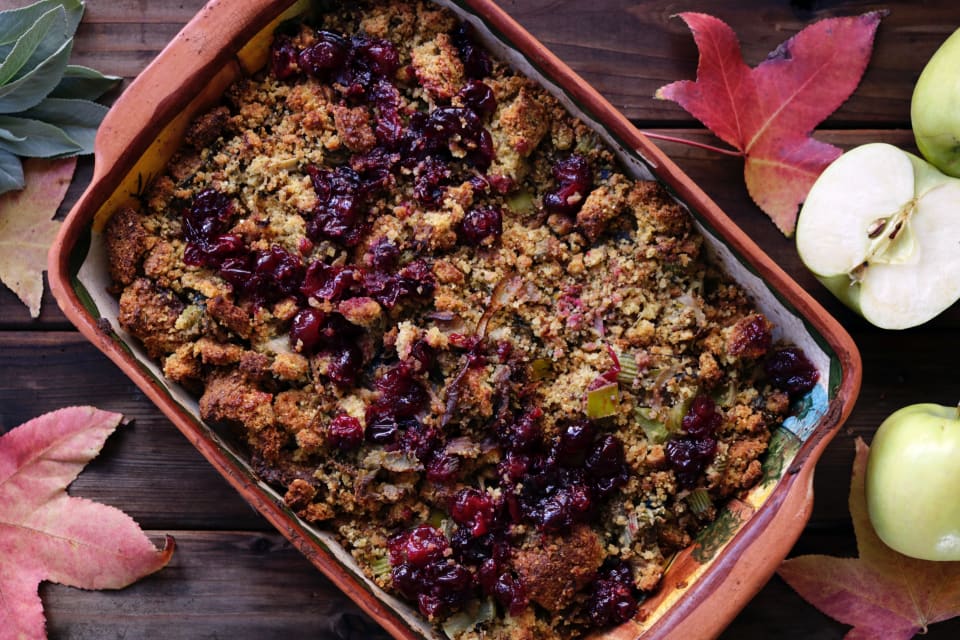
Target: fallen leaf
x,y
46,534
769,112
26,227
882,594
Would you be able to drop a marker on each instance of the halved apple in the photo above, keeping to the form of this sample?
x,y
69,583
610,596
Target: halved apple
x,y
881,229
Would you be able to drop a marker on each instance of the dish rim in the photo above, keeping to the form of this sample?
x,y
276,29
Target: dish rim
x,y
740,569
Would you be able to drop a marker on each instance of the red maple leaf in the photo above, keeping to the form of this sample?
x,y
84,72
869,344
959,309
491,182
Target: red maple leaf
x,y
769,112
882,594
46,534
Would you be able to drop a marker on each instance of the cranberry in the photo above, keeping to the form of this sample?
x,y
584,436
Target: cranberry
x,y
566,506
400,392
421,571
384,255
443,468
345,432
514,466
511,594
789,370
430,179
205,223
327,54
418,546
688,457
473,510
702,419
382,56
476,62
612,598
423,441
344,364
414,281
305,330
575,441
482,225
574,180
478,96
338,212
333,283
522,435
283,57
386,99
264,276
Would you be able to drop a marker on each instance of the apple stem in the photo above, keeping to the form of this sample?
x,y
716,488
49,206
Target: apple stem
x,y
692,143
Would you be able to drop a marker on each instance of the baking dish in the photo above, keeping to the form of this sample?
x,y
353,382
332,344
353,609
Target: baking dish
x,y
706,584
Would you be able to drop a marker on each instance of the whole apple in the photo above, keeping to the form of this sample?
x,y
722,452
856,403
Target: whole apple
x,y
935,108
912,482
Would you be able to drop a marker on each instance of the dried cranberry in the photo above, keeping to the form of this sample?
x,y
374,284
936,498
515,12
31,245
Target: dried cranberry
x,y
386,100
384,256
688,457
443,468
522,435
422,572
305,330
574,181
478,96
423,441
575,440
205,223
482,225
381,54
414,281
418,546
333,283
612,598
264,276
789,370
283,57
344,364
423,353
473,510
338,213
345,432
511,594
430,179
513,467
476,61
401,394
702,419
327,54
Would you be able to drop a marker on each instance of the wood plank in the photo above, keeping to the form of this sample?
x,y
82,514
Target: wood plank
x,y
217,585
625,49
254,585
146,468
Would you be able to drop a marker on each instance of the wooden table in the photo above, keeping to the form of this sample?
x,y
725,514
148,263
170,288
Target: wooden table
x,y
234,577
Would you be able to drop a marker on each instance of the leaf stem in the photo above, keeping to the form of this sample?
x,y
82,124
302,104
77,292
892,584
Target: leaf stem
x,y
692,143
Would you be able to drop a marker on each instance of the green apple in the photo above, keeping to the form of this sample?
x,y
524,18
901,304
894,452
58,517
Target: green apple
x,y
881,229
912,482
935,108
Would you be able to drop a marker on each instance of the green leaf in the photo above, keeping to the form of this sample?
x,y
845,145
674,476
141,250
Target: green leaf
x,y
11,172
83,83
27,45
6,135
33,87
79,119
41,140
14,22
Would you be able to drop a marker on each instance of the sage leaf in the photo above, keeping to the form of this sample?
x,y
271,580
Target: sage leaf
x,y
27,44
11,172
79,119
30,89
83,83
41,140
6,135
49,44
14,22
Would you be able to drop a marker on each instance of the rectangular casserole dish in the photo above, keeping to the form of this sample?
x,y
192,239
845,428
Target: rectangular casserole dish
x,y
707,584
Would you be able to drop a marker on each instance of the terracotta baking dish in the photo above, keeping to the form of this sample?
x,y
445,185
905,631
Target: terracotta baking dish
x,y
707,584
